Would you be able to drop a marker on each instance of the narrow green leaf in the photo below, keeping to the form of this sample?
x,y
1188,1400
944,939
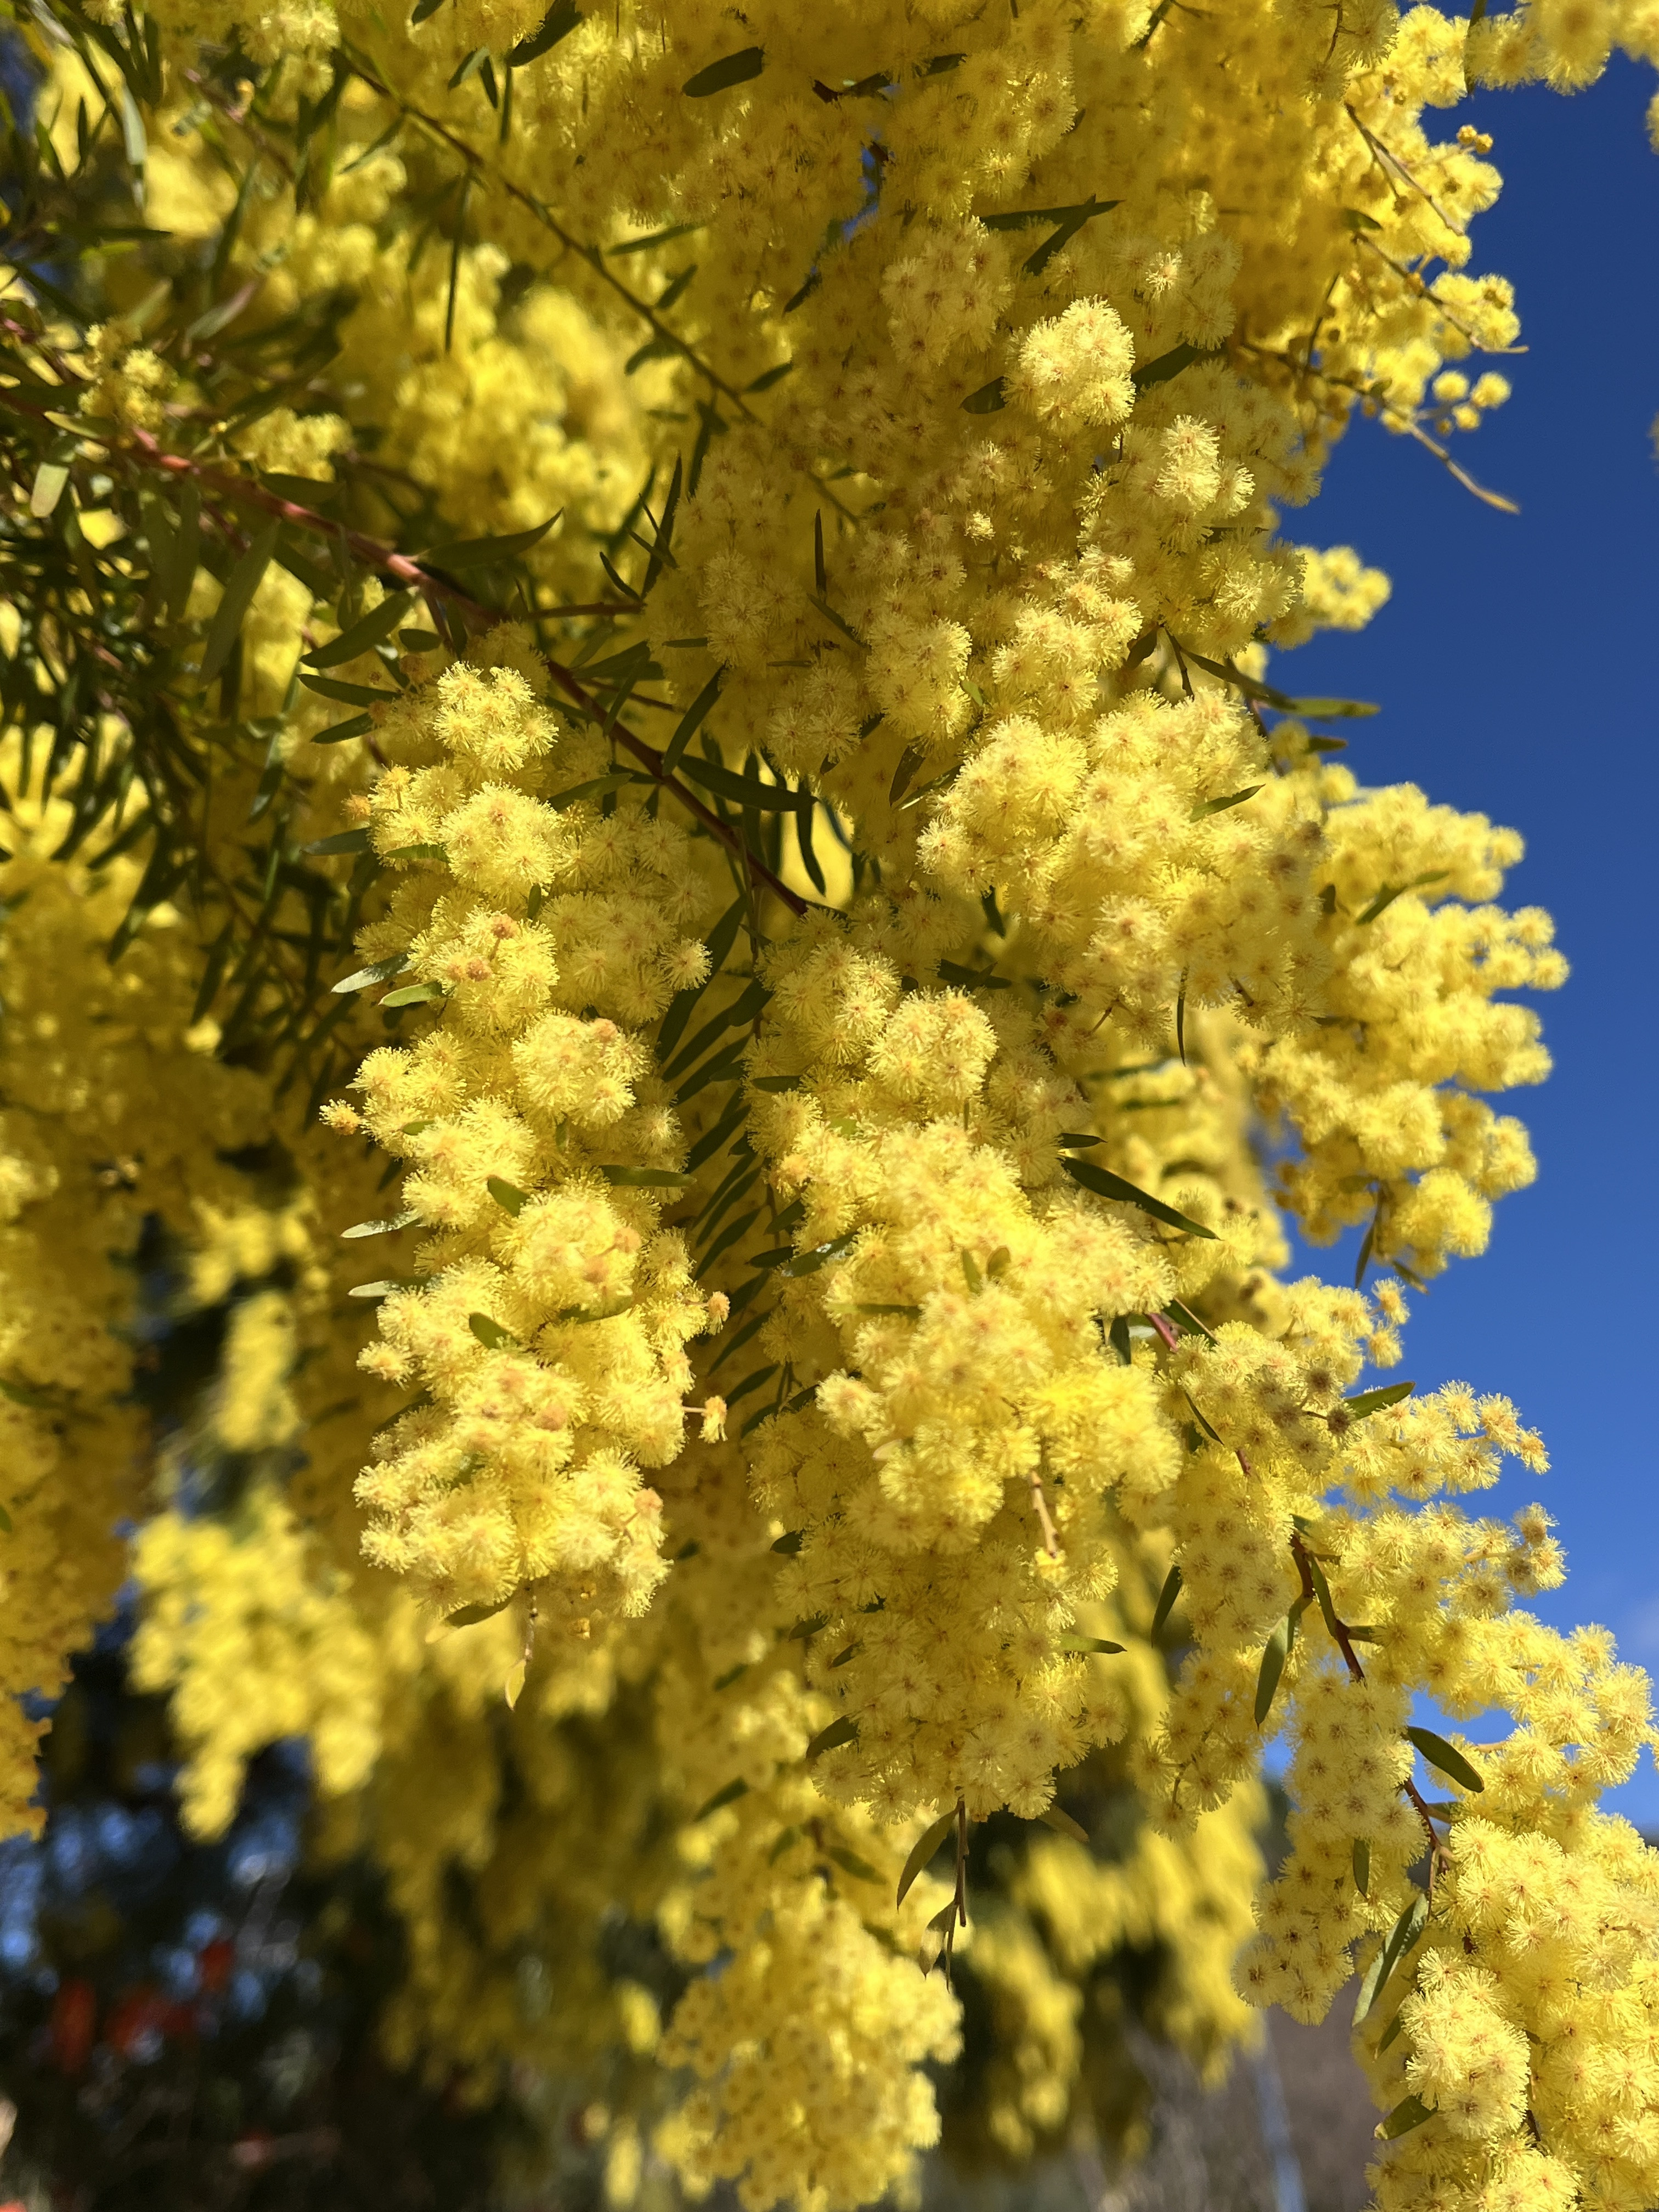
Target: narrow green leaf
x,y
491,1334
468,1616
1362,1866
595,789
1189,1321
850,1862
654,1178
922,1854
775,1083
379,971
988,398
378,623
804,1630
1171,363
5,1521
728,1796
722,76
1274,1653
1373,1402
1410,2112
656,238
336,733
414,994
1088,1643
348,695
1447,1757
1075,1140
1062,1823
829,1739
1208,806
691,722
240,585
507,1195
1166,1598
49,481
1401,1937
380,1228
1105,1184
561,20
342,840
485,552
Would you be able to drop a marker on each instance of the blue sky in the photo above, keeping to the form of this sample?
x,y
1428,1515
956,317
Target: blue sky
x,y
1517,666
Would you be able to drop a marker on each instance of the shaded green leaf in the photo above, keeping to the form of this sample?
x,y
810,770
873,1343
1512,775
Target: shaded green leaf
x,y
829,1739
1208,806
719,77
1373,1402
385,1228
378,623
240,585
1171,363
654,1178
507,1195
1105,1184
1166,1598
1095,1643
1399,1940
1062,1823
691,722
468,1616
1447,1757
485,552
490,1333
1362,1866
850,1862
728,1796
922,1854
560,21
342,840
379,971
1410,2112
988,398
414,994
1274,1653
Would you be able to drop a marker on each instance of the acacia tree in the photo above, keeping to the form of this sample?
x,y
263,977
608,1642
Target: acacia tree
x,y
637,704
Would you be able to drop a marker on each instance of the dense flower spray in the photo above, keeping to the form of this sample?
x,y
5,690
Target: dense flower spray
x,y
711,1056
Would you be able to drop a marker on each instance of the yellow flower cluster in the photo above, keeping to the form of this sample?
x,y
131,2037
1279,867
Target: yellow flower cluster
x,y
546,1334
872,1070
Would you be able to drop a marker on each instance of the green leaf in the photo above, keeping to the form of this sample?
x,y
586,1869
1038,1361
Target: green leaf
x,y
378,623
923,1851
768,377
1075,1140
1071,221
595,789
561,20
719,77
850,1862
775,1083
1391,2030
379,971
1357,219
384,1287
468,1616
348,695
491,1334
1062,1823
1105,1184
486,552
417,852
5,1521
414,994
1208,806
691,722
1166,1598
386,1228
1390,893
342,840
973,979
1171,364
1399,1940
1189,1321
831,1738
739,790
1373,1402
988,398
870,1306
358,726
1362,1866
656,1178
1087,1643
507,1195
1410,2112
808,1263
728,1796
1277,1649
240,585
1447,1757
49,481
657,238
